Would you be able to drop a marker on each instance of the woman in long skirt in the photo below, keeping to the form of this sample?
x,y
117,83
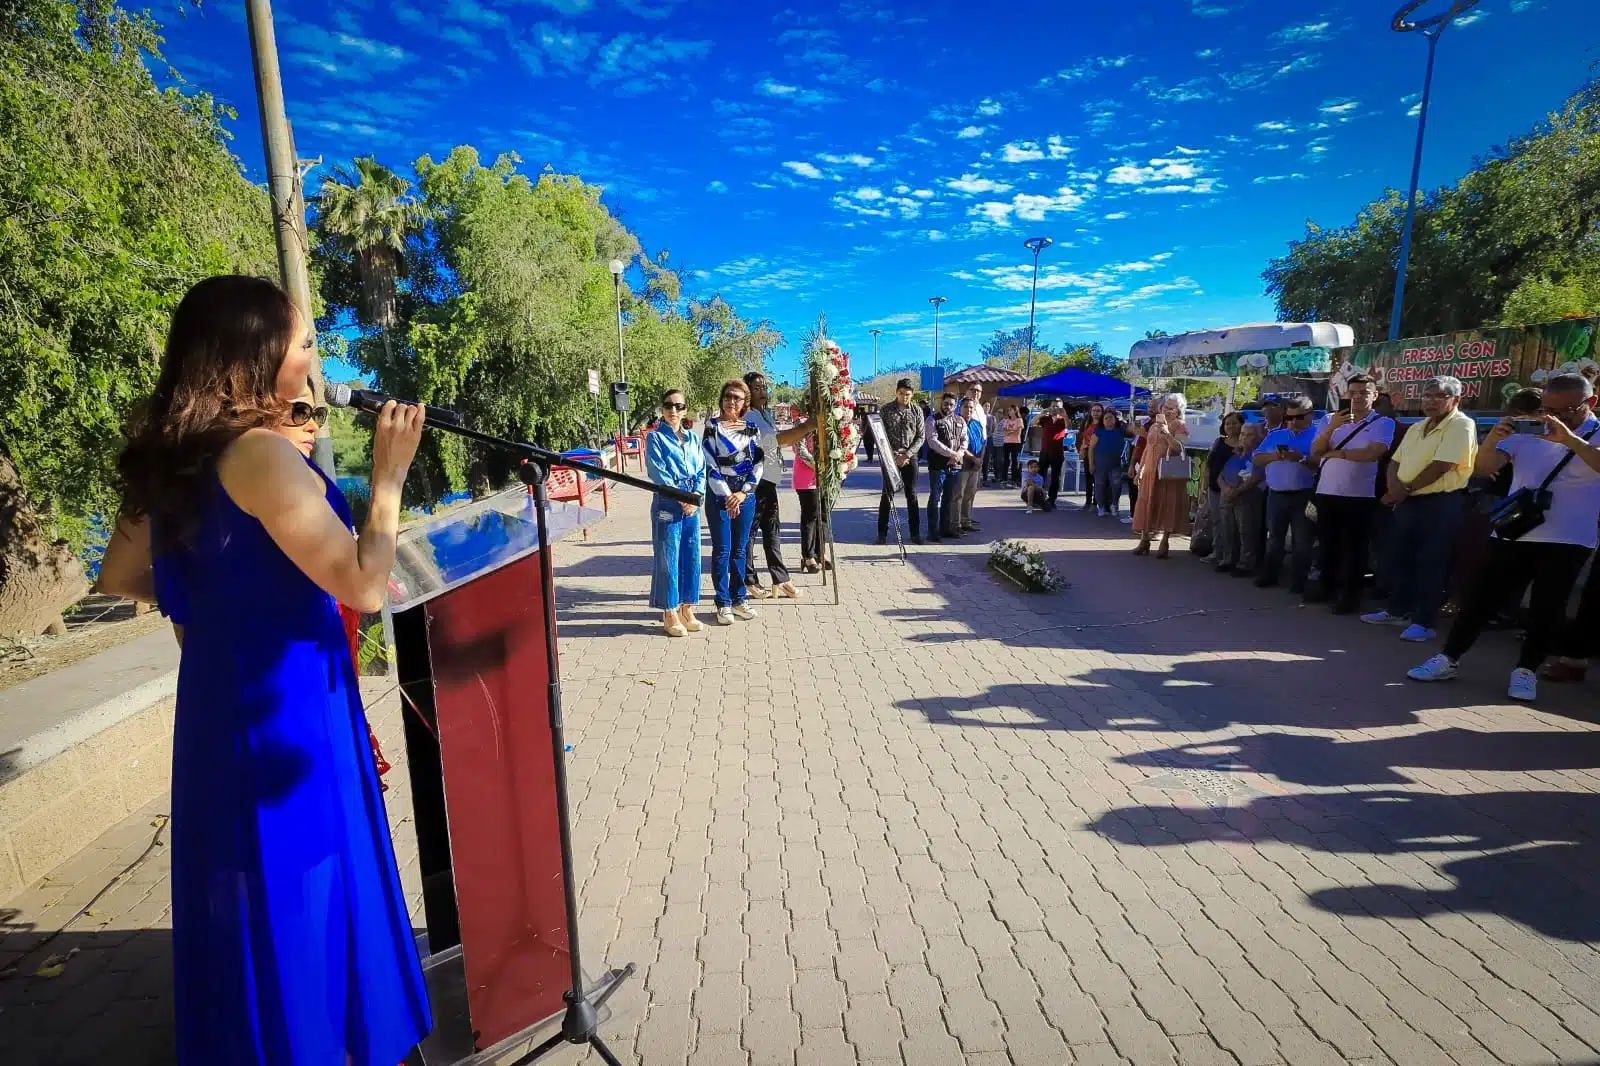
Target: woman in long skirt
x,y
1163,503
292,943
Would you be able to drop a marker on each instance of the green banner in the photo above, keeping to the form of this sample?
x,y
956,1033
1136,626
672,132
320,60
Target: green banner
x,y
1301,360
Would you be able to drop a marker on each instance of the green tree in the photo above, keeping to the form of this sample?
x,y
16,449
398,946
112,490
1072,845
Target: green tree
x,y
1516,240
365,216
115,196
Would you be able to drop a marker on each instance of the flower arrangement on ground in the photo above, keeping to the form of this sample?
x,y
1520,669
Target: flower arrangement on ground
x,y
1025,566
828,370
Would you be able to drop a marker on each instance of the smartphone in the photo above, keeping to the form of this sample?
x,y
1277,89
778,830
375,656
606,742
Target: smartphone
x,y
1344,405
1282,448
1533,427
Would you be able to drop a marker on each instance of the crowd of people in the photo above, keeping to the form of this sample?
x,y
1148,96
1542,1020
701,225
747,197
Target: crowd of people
x,y
1332,506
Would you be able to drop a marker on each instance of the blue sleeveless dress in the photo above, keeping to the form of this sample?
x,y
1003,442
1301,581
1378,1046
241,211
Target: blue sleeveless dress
x,y
291,942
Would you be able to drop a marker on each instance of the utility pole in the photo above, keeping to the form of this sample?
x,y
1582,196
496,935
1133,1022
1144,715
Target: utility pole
x,y
1035,245
617,267
875,333
936,301
284,182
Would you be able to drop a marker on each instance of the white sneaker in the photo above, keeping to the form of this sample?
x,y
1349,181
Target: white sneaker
x,y
1417,634
724,616
1524,685
744,611
1438,668
1384,618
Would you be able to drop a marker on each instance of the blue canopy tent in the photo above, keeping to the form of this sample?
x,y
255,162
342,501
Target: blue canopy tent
x,y
1076,383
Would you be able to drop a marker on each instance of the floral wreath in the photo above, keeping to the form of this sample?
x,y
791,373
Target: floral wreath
x,y
837,432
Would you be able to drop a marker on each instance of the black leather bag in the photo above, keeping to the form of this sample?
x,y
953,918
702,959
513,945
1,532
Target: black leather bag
x,y
1523,511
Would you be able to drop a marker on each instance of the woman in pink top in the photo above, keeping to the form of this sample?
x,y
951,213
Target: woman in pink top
x,y
805,487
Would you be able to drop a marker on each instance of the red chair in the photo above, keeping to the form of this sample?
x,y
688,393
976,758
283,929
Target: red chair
x,y
568,484
629,448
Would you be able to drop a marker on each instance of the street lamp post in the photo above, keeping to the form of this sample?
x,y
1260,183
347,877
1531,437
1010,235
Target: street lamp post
x,y
1035,245
617,266
1430,28
875,333
936,301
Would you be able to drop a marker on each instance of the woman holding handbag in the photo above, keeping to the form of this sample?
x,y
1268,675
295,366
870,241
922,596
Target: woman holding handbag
x,y
1163,505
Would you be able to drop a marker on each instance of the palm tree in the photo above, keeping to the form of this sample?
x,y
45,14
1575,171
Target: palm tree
x,y
368,213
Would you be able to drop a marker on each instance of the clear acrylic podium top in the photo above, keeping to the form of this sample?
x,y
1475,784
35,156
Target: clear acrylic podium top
x,y
438,555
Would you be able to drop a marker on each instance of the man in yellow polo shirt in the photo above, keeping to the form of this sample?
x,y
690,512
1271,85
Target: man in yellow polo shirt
x,y
1428,491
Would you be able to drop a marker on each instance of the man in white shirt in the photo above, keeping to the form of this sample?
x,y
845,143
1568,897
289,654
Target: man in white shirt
x,y
1563,461
1347,452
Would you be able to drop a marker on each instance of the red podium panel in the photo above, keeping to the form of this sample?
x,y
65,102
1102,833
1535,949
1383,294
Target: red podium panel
x,y
486,646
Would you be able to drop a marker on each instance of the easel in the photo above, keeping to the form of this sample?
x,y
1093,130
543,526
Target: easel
x,y
891,478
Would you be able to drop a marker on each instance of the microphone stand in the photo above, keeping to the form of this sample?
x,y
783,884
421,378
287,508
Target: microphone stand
x,y
580,1025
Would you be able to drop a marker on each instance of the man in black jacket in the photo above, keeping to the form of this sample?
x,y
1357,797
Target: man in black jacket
x,y
904,426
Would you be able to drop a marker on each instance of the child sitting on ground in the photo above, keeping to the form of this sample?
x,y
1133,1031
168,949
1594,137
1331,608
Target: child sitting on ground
x,y
1033,493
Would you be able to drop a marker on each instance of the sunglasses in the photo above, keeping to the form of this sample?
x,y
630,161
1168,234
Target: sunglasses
x,y
1562,412
674,407
301,412
1295,416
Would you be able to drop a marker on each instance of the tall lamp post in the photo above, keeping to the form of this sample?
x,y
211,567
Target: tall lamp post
x,y
875,333
936,301
617,266
1430,28
1035,245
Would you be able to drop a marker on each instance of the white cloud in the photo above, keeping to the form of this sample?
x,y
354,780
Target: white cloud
x,y
1199,187
936,235
1182,93
969,132
996,211
972,185
1159,170
1029,207
1274,127
1267,179
1339,107
922,194
1305,31
1087,68
1181,150
1208,53
1472,16
1057,147
802,168
855,159
1115,216
716,186
1021,152
1519,6
867,192
782,91
1148,292
989,107
1208,9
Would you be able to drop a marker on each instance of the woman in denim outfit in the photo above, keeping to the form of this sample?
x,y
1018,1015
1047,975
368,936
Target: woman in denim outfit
x,y
674,457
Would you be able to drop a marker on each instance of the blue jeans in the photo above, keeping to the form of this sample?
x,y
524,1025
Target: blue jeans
x,y
730,537
1286,517
1422,541
943,487
675,540
1107,486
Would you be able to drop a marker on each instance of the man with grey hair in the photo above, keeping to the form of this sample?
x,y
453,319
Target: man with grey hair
x,y
1555,463
1428,477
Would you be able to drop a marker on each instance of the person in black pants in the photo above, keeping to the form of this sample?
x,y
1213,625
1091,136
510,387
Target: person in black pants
x,y
1347,453
1052,449
905,426
1564,461
767,519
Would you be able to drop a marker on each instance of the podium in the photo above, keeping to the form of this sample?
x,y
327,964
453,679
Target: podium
x,y
473,633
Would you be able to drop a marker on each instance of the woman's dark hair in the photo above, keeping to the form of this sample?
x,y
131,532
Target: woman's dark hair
x,y
1231,414
1116,418
668,394
218,378
1525,401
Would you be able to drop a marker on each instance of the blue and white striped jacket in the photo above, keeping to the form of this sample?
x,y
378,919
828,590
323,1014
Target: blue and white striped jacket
x,y
674,458
734,458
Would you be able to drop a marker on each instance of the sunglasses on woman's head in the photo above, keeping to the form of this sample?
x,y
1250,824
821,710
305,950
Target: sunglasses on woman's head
x,y
301,412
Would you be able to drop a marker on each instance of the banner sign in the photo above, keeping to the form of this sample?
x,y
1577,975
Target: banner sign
x,y
1492,364
933,380
1302,360
594,382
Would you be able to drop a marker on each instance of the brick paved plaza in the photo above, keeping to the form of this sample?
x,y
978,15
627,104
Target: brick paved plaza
x,y
949,823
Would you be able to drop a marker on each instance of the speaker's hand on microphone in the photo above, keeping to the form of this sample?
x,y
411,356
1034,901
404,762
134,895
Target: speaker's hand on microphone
x,y
395,440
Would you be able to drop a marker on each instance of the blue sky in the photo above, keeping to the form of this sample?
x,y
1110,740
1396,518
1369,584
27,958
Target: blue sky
x,y
857,158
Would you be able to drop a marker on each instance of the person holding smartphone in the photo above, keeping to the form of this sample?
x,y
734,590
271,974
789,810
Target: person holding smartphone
x,y
1347,453
1285,457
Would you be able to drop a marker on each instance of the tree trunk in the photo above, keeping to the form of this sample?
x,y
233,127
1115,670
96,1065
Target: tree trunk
x,y
38,578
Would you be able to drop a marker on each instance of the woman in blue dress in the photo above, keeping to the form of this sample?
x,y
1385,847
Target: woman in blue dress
x,y
291,940
675,458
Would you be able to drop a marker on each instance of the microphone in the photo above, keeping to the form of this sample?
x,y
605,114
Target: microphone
x,y
340,395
